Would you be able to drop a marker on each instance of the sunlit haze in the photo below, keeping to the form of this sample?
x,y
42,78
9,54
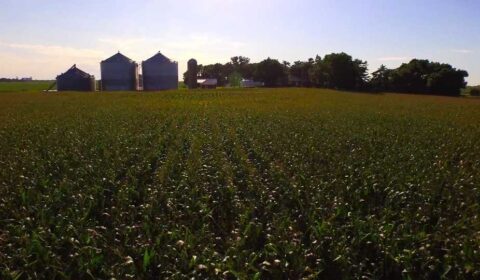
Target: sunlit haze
x,y
44,38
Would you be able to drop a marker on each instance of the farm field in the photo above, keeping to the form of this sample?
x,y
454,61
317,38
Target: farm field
x,y
239,184
30,86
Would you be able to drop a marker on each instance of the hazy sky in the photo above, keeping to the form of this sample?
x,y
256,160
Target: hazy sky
x,y
44,38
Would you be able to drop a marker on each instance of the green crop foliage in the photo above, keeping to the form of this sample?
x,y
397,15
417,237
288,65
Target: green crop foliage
x,y
29,86
239,184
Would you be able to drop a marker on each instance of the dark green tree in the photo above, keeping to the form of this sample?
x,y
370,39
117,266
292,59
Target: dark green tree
x,y
186,75
380,79
241,65
301,70
318,74
271,72
475,91
361,74
411,77
342,71
446,81
423,76
214,71
235,79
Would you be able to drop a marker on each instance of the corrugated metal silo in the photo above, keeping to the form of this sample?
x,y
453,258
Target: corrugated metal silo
x,y
119,73
75,80
159,73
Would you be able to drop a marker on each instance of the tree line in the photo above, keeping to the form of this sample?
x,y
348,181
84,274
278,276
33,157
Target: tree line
x,y
340,71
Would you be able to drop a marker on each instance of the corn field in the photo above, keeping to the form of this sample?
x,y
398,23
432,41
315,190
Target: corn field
x,y
239,184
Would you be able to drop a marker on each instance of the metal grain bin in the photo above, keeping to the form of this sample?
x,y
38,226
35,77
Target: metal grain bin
x,y
119,73
75,80
159,73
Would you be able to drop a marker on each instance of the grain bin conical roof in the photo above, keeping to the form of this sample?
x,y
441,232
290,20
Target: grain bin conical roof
x,y
118,57
159,58
75,72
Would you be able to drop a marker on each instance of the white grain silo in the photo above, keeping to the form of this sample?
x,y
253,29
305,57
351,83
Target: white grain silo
x,y
119,73
159,73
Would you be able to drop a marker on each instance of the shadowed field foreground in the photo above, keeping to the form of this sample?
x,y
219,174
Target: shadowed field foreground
x,y
262,184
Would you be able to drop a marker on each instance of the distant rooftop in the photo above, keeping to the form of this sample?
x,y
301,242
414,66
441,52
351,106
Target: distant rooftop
x,y
207,82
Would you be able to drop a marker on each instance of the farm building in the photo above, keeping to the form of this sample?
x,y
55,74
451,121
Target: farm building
x,y
119,73
207,83
159,73
76,80
245,83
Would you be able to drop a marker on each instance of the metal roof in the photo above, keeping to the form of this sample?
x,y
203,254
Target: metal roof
x,y
207,82
159,58
118,57
75,72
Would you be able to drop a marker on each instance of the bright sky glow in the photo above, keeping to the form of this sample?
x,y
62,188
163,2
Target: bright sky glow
x,y
44,38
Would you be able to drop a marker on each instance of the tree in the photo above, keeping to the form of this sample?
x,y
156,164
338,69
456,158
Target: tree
x,y
187,74
301,70
214,71
411,77
271,72
423,76
248,70
185,77
231,72
475,91
343,72
240,60
361,74
235,79
241,65
226,71
317,73
380,79
447,81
